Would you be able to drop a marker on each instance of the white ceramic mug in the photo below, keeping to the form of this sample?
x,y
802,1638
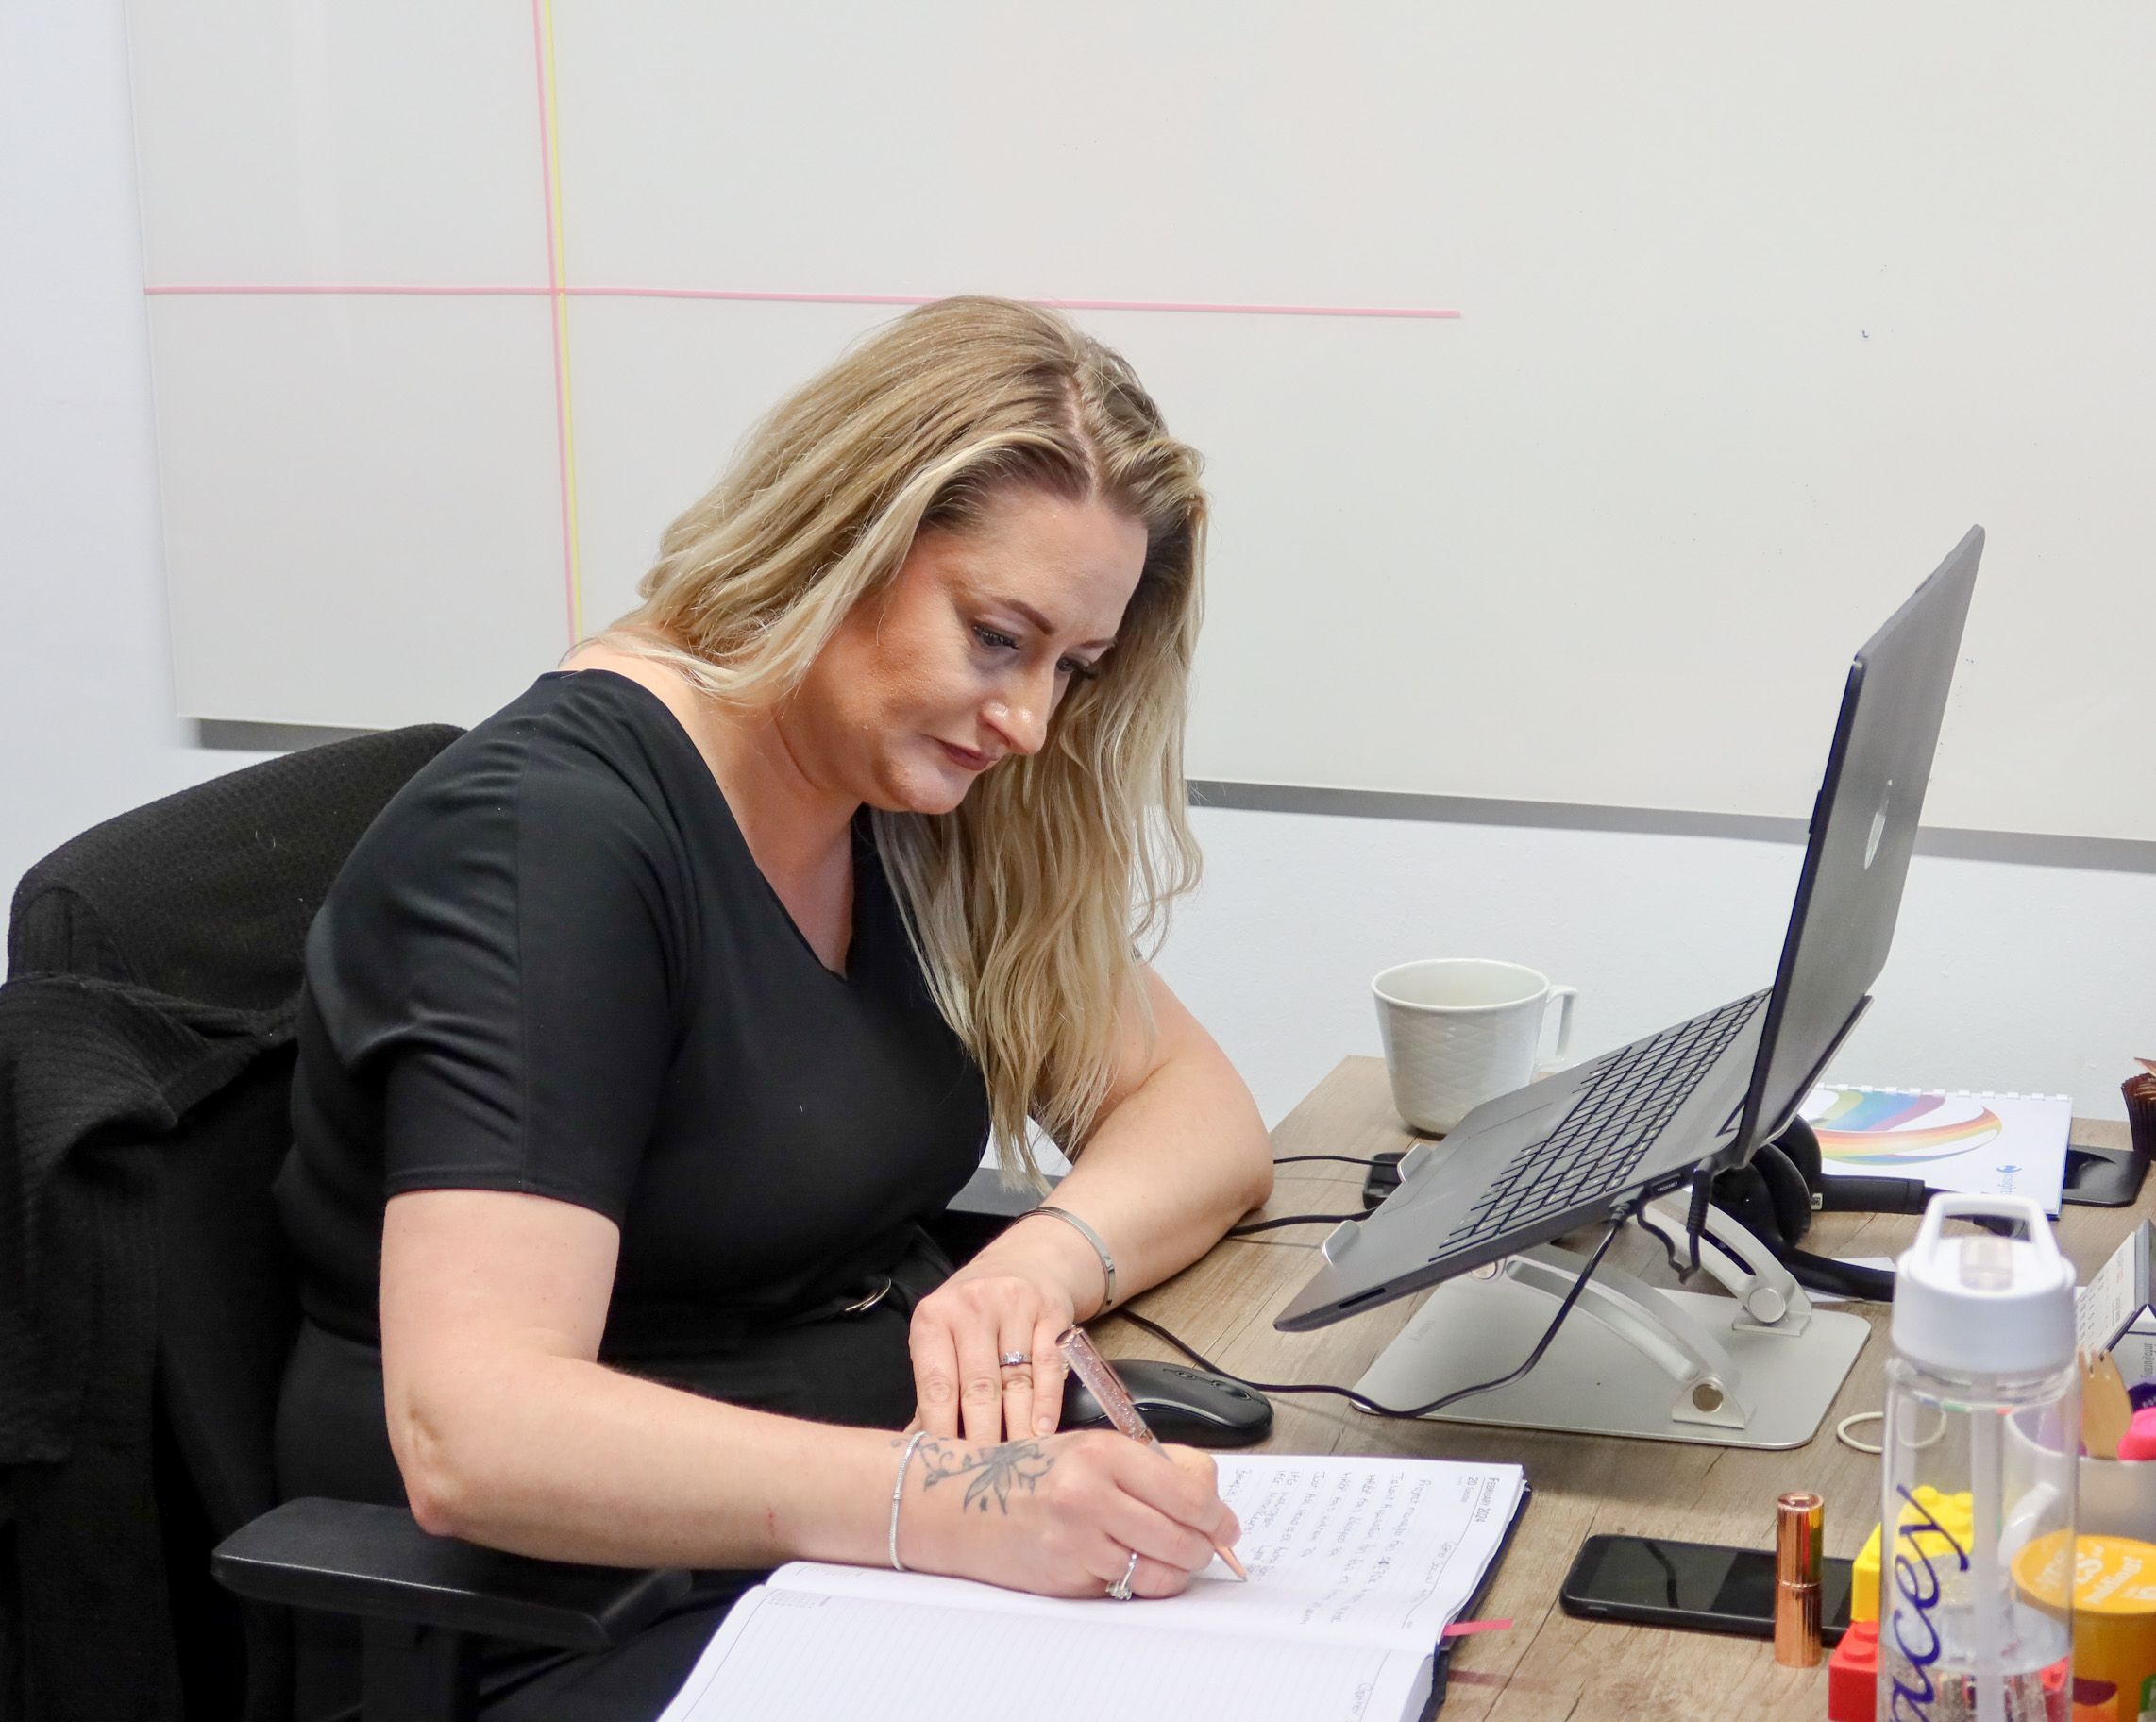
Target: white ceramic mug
x,y
1461,1030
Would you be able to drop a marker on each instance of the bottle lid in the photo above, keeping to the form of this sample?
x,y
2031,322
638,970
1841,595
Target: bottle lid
x,y
1982,1304
2113,1577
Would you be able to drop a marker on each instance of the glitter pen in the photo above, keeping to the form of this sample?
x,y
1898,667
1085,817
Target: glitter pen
x,y
1113,1399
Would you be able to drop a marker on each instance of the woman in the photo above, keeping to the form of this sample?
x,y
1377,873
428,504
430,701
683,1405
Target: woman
x,y
647,1023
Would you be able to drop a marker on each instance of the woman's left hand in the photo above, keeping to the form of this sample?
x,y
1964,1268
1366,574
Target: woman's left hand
x,y
988,1310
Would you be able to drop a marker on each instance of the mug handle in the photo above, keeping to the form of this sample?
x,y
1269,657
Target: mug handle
x,y
1561,1054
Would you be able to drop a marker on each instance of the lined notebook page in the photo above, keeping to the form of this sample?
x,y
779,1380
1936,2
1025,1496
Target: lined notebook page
x,y
788,1655
1377,1552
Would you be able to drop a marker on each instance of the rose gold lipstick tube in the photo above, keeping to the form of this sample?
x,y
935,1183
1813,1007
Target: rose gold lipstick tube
x,y
1799,1519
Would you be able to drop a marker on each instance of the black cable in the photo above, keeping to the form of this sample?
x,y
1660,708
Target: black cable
x,y
1363,1400
1695,1218
1345,1159
1273,1225
1663,1237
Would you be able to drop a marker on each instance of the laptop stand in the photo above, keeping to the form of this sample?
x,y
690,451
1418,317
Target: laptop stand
x,y
1754,1369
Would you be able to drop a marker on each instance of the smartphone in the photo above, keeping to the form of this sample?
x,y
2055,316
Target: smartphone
x,y
1661,1583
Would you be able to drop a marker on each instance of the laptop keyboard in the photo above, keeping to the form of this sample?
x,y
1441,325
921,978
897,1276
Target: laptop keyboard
x,y
1609,1128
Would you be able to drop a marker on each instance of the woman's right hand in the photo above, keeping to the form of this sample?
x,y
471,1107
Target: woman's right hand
x,y
1060,1515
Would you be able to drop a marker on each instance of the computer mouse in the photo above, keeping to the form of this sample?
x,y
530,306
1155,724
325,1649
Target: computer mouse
x,y
1178,1404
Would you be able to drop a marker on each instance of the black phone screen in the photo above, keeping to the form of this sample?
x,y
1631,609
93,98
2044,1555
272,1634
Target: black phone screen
x,y
1692,1584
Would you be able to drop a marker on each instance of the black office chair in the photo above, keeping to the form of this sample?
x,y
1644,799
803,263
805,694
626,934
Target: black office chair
x,y
180,925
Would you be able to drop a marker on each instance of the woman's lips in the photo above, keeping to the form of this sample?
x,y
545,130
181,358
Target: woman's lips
x,y
965,756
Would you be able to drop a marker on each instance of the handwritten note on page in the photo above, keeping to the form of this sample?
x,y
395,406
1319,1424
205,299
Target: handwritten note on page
x,y
1375,1551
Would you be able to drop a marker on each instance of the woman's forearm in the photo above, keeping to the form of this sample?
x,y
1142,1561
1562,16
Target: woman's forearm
x,y
601,1467
595,1465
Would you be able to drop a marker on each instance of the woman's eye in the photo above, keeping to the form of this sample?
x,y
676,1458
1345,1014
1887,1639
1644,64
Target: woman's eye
x,y
996,640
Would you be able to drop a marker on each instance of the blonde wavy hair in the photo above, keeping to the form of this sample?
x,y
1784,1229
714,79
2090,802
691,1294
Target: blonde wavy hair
x,y
1032,904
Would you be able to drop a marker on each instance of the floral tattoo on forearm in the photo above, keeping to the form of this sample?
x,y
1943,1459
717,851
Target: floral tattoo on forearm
x,y
989,1474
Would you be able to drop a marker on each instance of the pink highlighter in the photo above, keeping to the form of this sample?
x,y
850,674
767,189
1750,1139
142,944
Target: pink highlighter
x,y
2139,1441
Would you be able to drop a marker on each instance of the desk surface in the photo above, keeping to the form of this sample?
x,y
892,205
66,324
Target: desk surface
x,y
1550,1665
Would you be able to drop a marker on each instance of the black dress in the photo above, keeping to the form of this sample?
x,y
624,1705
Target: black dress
x,y
552,966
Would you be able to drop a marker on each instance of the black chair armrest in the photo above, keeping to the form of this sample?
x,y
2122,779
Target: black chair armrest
x,y
350,1558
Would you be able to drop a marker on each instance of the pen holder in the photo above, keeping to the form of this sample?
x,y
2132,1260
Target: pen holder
x,y
2140,1092
2113,1497
2117,1498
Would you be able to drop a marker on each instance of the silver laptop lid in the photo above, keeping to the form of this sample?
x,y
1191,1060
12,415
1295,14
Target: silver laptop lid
x,y
1849,893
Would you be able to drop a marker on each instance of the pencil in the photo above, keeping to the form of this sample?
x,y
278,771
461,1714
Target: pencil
x,y
1106,1387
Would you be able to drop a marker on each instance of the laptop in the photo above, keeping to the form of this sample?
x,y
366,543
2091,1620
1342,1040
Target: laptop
x,y
1610,1134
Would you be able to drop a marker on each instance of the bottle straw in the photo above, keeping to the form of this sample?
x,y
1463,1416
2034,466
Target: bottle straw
x,y
1987,1618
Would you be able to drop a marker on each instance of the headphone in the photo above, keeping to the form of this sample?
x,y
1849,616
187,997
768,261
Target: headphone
x,y
1776,1192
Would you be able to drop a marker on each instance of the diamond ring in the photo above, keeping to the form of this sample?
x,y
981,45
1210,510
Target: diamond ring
x,y
1121,1590
1015,1359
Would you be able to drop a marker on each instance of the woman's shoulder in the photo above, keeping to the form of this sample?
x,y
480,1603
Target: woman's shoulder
x,y
580,757
602,666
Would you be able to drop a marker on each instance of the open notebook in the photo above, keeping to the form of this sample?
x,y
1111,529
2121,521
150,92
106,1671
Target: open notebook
x,y
1357,1566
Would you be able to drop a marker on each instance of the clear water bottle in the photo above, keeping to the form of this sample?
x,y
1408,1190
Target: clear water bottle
x,y
1983,1431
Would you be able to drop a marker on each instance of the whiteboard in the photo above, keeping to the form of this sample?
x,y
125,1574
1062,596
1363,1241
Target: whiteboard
x,y
453,308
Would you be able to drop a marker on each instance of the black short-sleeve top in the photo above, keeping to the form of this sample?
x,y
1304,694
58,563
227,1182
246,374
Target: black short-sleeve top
x,y
552,966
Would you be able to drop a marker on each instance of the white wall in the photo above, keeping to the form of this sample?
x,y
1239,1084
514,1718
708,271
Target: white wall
x,y
86,708
2007,973
2004,976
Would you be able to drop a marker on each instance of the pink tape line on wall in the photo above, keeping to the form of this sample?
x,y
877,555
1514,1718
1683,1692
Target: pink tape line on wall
x,y
753,295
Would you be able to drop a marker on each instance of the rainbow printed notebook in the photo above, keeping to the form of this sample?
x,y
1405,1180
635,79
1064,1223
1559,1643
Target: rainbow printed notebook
x,y
1979,1144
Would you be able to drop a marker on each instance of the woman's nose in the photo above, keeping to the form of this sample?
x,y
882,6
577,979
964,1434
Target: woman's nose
x,y
1021,717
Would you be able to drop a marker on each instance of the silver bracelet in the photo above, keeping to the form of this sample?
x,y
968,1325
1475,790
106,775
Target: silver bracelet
x,y
1093,1238
898,1489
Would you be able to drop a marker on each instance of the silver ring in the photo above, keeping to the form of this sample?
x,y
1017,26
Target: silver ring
x,y
1121,1590
1015,1359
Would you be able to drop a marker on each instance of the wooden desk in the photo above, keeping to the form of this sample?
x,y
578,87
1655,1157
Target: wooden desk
x,y
1550,1665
